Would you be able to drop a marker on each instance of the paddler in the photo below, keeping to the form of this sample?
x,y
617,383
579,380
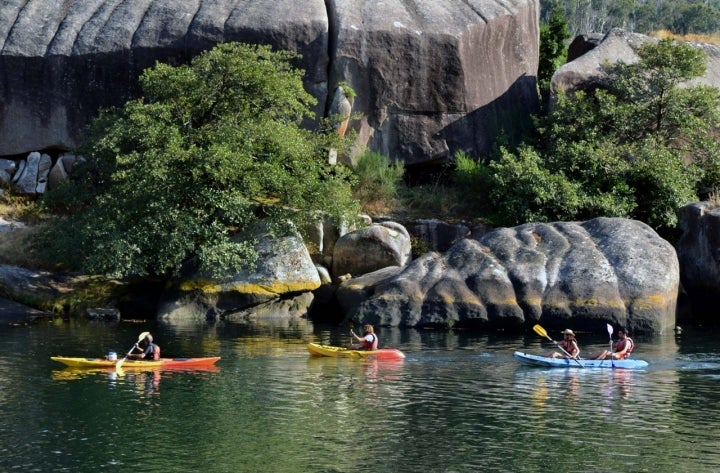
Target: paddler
x,y
151,351
621,349
569,344
369,341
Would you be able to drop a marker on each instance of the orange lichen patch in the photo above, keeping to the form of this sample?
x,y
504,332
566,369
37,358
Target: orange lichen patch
x,y
502,302
451,299
205,285
652,301
264,288
274,288
614,303
417,296
356,286
537,301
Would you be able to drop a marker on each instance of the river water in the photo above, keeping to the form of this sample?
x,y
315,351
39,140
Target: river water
x,y
458,403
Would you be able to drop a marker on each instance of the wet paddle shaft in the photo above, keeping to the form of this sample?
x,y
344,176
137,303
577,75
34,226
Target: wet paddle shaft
x,y
541,331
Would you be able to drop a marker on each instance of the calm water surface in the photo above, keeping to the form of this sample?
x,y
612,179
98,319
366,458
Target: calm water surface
x,y
458,403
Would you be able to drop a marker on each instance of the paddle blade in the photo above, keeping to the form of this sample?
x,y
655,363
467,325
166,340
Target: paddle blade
x,y
540,331
610,329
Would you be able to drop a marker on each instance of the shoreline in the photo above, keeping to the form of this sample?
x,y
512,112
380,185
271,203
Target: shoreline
x,y
12,312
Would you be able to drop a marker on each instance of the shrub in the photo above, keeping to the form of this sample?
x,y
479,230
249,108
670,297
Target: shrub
x,y
378,180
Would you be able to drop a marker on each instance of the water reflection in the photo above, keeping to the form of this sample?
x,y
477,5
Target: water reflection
x,y
458,403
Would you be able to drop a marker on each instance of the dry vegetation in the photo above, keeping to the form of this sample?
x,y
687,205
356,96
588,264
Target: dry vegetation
x,y
14,242
692,38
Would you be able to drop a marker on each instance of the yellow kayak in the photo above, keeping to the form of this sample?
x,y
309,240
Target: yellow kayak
x,y
171,363
317,349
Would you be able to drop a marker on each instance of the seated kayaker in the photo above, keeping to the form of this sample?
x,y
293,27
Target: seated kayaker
x,y
151,351
569,344
621,349
369,341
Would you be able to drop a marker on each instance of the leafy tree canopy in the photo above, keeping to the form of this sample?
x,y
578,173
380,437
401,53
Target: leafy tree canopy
x,y
640,148
553,50
209,149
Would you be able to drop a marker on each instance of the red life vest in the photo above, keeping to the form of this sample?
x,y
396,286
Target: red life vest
x,y
370,345
620,346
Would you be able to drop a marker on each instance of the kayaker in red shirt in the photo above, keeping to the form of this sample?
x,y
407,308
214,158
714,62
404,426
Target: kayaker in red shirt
x,y
569,344
621,349
367,342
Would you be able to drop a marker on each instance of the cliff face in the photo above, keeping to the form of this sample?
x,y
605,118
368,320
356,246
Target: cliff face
x,y
432,77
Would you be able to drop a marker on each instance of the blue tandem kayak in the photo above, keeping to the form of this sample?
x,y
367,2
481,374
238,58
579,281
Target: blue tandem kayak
x,y
536,360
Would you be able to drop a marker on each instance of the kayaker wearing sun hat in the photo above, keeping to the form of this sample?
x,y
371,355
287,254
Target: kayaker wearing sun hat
x,y
569,344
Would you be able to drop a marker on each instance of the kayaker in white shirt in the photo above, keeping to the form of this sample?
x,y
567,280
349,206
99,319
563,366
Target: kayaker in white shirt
x,y
369,341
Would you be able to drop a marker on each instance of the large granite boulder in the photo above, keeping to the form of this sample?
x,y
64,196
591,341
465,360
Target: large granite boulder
x,y
619,45
561,274
698,250
371,248
284,271
436,77
432,77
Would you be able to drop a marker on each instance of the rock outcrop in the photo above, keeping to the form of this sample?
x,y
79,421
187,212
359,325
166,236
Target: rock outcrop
x,y
432,77
618,45
284,271
371,248
584,274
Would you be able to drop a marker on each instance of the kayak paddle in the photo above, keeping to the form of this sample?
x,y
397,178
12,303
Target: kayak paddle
x,y
610,332
120,362
541,331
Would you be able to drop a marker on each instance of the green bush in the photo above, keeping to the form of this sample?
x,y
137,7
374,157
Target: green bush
x,y
640,148
378,180
210,148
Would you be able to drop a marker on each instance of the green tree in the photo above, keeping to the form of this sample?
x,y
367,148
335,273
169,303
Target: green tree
x,y
697,18
210,148
553,50
640,147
